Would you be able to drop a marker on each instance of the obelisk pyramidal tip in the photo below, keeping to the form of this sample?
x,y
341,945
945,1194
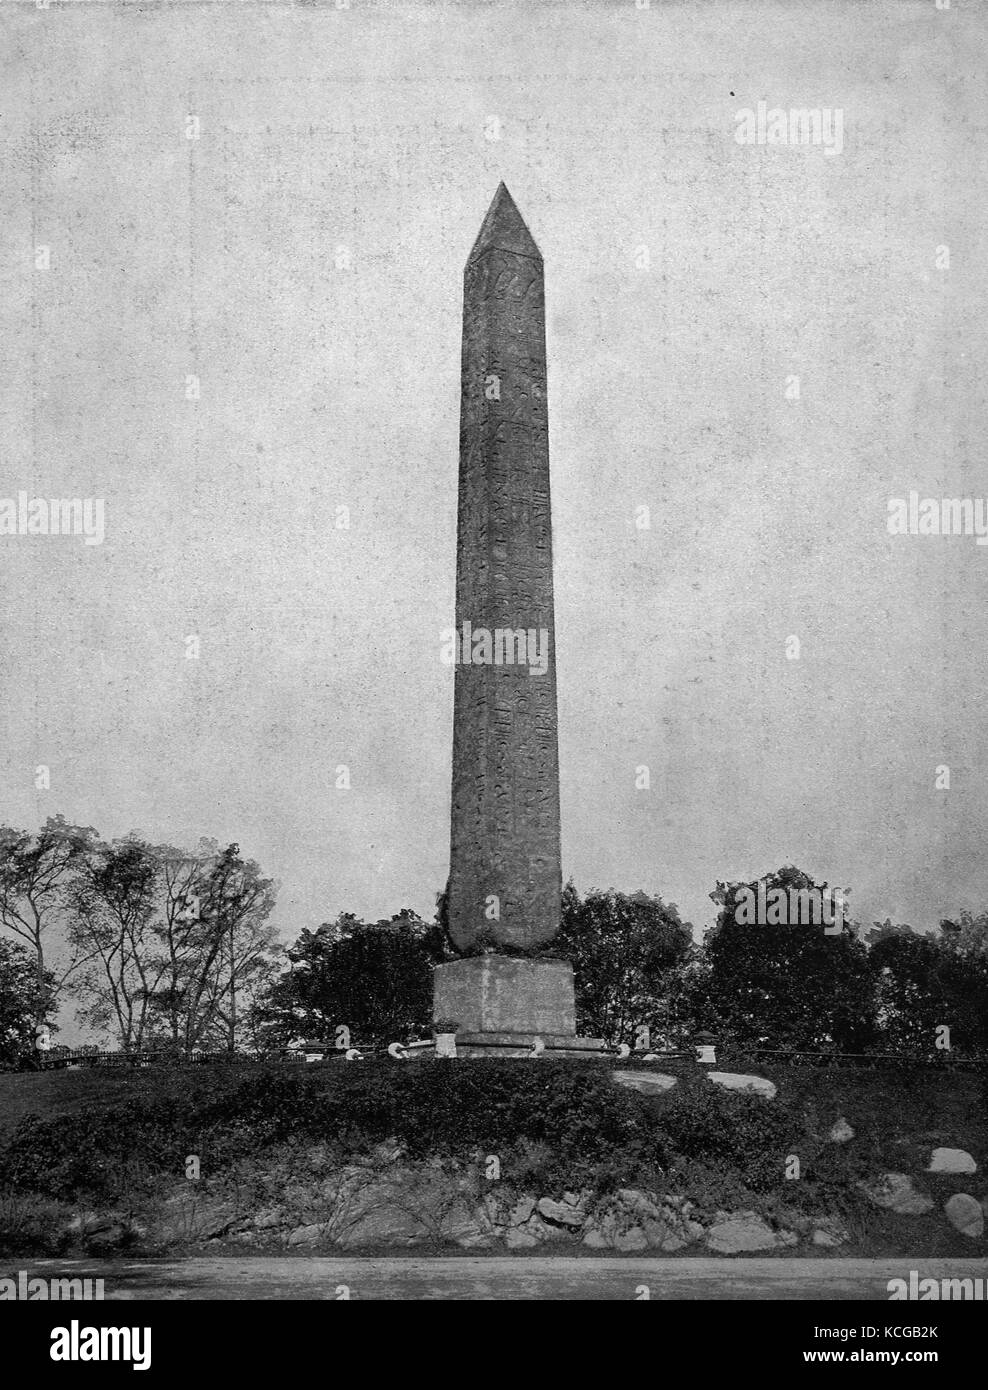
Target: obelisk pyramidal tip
x,y
505,871
503,229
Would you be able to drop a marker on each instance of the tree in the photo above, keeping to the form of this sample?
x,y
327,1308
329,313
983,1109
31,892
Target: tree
x,y
882,931
114,903
237,953
179,942
926,982
37,873
375,978
789,985
967,935
25,1004
626,950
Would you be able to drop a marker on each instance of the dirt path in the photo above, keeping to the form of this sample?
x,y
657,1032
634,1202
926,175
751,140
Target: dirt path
x,y
533,1278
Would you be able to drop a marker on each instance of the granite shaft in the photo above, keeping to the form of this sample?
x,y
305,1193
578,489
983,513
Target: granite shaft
x,y
505,871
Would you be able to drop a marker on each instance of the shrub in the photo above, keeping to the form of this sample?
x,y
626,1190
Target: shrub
x,y
727,1130
32,1225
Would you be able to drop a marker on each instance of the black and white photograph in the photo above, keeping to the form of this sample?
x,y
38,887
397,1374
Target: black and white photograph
x,y
493,758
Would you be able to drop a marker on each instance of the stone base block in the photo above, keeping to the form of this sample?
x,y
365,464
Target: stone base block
x,y
506,995
510,1007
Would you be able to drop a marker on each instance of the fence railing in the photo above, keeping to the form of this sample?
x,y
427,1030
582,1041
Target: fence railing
x,y
725,1056
869,1061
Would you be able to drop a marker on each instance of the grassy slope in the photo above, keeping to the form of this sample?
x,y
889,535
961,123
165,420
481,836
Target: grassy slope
x,y
897,1117
54,1093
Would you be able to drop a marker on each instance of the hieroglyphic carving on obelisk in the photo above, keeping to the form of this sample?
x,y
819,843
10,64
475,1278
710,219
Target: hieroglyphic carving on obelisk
x,y
505,876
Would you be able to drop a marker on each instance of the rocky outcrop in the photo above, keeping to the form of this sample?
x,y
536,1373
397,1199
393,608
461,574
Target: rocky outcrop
x,y
386,1201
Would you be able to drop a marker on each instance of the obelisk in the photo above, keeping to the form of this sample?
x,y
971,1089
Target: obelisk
x,y
503,894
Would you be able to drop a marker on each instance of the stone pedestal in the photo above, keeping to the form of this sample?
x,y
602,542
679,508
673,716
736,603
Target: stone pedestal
x,y
509,1007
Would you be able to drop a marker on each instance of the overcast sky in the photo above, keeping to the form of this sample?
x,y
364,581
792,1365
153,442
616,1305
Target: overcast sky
x,y
303,259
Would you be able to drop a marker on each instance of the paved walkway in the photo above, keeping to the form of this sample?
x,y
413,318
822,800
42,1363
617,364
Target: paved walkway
x,y
535,1278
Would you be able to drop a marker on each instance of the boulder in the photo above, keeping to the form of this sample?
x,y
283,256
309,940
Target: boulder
x,y
670,1228
829,1233
641,1203
482,1240
268,1218
306,1235
965,1215
795,1219
404,1207
840,1132
631,1240
87,1223
190,1216
521,1211
384,1226
543,1231
465,1226
517,1239
492,1215
101,1232
895,1192
951,1161
649,1083
664,1237
737,1081
740,1234
560,1212
600,1229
